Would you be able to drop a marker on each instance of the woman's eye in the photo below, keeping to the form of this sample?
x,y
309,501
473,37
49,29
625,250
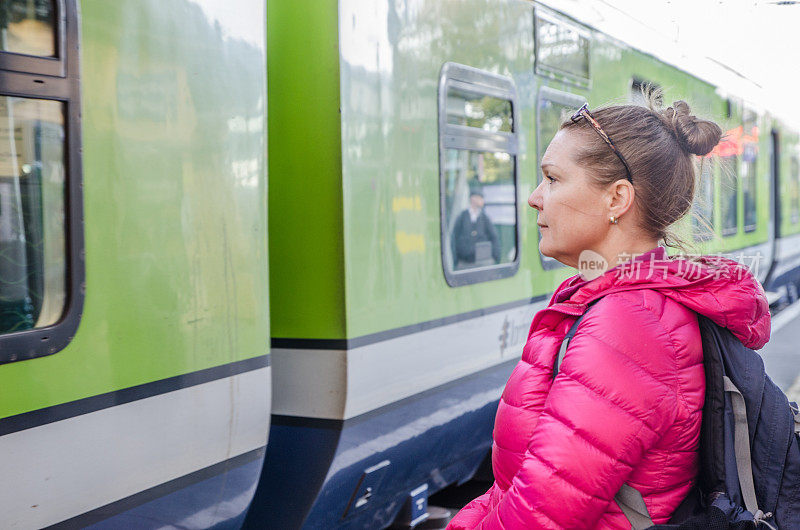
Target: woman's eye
x,y
548,177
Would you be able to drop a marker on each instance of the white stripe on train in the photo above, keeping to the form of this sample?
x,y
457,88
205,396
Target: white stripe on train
x,y
70,467
339,384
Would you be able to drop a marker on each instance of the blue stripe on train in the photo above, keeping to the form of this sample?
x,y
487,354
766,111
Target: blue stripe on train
x,y
313,467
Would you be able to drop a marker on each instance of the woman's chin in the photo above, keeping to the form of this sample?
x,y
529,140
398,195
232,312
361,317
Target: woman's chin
x,y
553,254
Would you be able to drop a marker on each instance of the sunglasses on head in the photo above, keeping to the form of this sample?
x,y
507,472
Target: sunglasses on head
x,y
583,112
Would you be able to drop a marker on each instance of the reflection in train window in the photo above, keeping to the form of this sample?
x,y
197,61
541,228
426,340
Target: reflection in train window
x,y
28,27
32,213
480,207
749,185
749,161
703,208
484,112
729,194
478,172
794,190
561,48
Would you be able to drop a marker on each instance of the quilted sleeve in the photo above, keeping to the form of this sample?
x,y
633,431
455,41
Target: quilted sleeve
x,y
471,515
612,400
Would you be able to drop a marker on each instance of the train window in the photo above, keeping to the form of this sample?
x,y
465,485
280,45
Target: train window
x,y
561,48
553,107
484,112
703,208
28,27
749,151
729,179
794,190
749,164
32,238
478,175
41,237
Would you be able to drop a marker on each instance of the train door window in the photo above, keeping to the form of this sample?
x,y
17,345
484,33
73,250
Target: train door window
x,y
749,165
553,107
729,180
478,144
28,27
703,208
562,49
41,238
794,190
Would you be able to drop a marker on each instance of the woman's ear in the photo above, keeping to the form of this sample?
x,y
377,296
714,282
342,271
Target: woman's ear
x,y
620,198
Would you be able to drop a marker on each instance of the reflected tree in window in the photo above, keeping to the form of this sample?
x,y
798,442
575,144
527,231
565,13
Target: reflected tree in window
x,y
483,112
28,27
561,48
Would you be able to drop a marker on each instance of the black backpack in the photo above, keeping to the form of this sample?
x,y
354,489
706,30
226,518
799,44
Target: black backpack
x,y
749,450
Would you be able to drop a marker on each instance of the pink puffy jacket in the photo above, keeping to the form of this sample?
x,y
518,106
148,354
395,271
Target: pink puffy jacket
x,y
627,403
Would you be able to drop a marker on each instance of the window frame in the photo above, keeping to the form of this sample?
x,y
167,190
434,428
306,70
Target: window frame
x,y
562,98
465,138
55,79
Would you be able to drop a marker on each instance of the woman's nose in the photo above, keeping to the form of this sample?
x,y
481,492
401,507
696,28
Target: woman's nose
x,y
535,198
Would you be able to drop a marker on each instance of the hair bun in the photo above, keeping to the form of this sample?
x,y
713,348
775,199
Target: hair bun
x,y
695,136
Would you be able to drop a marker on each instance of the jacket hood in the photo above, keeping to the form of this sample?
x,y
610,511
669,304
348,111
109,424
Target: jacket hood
x,y
716,287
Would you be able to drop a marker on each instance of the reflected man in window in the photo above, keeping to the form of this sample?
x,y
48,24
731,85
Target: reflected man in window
x,y
474,235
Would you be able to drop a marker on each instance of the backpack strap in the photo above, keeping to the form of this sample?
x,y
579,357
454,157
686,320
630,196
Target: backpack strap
x,y
564,343
632,504
628,498
741,444
796,413
568,337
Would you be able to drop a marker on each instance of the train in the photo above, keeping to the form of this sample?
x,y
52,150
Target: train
x,y
231,291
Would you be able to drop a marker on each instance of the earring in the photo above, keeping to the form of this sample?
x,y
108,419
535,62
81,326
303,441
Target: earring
x,y
614,220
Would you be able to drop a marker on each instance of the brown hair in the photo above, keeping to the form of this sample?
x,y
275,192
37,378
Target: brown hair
x,y
658,145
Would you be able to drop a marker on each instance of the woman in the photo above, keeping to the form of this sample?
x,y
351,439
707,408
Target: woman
x,y
626,405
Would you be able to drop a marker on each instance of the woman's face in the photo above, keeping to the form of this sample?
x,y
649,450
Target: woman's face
x,y
573,211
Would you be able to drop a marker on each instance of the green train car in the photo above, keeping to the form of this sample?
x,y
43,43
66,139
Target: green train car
x,y
390,344
167,360
134,303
